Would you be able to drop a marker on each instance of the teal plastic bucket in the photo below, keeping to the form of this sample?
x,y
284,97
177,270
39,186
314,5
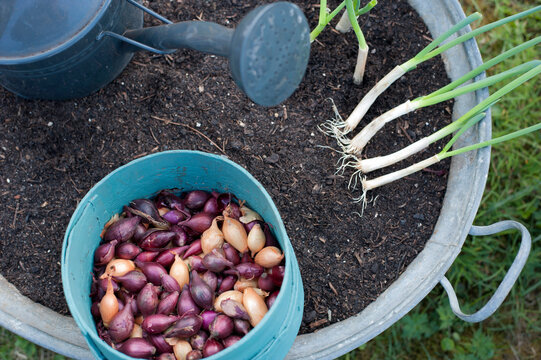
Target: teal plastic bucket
x,y
186,170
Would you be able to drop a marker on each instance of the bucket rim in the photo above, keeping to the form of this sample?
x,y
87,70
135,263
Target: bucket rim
x,y
89,332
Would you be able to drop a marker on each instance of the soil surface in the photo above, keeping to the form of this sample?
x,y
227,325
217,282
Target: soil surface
x,y
52,153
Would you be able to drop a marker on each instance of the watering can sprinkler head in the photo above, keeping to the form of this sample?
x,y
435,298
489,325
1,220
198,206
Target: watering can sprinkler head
x,y
268,51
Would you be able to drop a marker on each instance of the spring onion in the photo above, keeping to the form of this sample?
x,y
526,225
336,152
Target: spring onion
x,y
432,50
324,18
362,54
459,126
367,165
357,144
385,179
353,11
344,24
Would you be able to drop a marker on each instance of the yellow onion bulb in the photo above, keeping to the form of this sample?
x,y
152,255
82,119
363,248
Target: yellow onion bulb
x,y
108,305
181,349
180,271
261,293
231,294
139,319
235,234
243,283
162,211
248,215
269,257
255,306
118,267
213,237
256,239
172,341
137,332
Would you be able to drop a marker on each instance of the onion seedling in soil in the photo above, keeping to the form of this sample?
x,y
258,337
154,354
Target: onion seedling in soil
x,y
385,179
340,128
359,141
349,20
167,306
460,125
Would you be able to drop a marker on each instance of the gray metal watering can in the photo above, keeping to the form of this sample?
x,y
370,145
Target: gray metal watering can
x,y
59,50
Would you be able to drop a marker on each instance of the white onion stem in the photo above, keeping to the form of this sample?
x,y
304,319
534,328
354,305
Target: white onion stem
x,y
363,137
358,74
367,101
344,25
379,162
385,179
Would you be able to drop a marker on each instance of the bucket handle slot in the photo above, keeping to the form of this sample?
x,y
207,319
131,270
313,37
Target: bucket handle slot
x,y
509,279
136,43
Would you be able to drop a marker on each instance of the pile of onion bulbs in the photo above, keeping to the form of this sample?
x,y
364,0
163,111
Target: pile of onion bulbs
x,y
183,277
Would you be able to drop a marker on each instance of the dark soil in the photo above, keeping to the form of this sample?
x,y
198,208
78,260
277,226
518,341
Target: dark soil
x,y
52,153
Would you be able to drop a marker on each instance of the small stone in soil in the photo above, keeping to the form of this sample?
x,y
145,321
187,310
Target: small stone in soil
x,y
309,316
236,144
272,159
419,216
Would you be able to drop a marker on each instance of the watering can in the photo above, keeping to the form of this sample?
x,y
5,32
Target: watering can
x,y
56,50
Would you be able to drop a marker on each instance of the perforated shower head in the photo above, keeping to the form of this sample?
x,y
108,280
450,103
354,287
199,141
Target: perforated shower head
x,y
269,52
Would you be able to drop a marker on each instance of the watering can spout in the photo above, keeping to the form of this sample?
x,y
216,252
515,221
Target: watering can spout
x,y
268,51
202,36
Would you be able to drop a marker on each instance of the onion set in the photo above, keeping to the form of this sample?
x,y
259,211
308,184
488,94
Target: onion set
x,y
183,276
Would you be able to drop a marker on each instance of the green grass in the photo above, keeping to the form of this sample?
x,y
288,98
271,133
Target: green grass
x,y
13,347
431,330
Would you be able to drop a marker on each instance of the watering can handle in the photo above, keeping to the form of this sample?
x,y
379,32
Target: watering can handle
x,y
134,43
508,281
166,39
150,12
